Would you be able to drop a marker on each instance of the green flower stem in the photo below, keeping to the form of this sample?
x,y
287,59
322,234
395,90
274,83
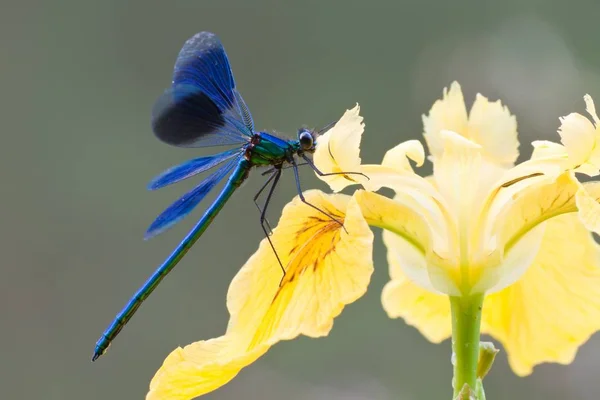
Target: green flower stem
x,y
466,321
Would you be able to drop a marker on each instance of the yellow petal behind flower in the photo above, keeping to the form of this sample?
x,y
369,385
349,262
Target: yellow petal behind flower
x,y
493,127
428,312
555,307
338,150
450,114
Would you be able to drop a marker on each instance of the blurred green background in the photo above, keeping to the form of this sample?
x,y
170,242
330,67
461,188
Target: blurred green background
x,y
78,81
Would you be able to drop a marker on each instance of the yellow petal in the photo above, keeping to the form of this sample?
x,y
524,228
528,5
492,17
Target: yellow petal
x,y
555,307
428,312
526,178
397,157
503,269
493,127
581,139
395,170
338,150
450,114
535,205
413,259
515,221
327,267
201,367
578,135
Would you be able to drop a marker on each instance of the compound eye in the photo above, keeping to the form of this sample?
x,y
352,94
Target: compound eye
x,y
306,140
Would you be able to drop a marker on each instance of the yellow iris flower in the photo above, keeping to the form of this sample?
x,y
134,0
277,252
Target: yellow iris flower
x,y
515,237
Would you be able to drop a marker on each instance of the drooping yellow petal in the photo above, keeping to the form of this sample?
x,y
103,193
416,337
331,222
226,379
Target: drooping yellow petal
x,y
516,223
327,267
524,179
493,127
555,307
524,205
449,114
338,150
512,184
534,205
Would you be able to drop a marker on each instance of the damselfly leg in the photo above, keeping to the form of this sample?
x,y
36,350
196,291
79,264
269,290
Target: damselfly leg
x,y
273,173
264,224
318,171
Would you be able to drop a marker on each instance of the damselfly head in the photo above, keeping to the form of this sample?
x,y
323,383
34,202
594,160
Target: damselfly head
x,y
306,138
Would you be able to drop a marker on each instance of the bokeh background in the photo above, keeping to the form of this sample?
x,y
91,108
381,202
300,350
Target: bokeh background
x,y
78,79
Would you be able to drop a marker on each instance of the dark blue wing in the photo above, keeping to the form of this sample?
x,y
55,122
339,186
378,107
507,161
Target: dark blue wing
x,y
190,168
203,107
182,207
